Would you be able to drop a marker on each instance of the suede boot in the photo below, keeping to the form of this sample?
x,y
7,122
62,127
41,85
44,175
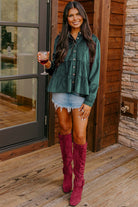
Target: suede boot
x,y
79,158
66,150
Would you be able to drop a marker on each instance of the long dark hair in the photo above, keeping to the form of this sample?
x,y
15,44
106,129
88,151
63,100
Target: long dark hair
x,y
62,45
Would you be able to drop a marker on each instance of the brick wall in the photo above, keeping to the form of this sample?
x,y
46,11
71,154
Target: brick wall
x,y
128,129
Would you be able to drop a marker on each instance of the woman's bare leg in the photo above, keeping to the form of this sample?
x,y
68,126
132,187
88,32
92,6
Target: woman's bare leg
x,y
65,121
79,127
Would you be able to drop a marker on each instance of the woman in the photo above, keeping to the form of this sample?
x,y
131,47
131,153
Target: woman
x,y
74,83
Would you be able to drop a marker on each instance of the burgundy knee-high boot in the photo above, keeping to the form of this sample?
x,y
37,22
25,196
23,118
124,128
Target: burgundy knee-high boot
x,y
66,150
79,158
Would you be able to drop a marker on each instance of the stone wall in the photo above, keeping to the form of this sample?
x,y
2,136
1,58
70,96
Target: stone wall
x,y
128,127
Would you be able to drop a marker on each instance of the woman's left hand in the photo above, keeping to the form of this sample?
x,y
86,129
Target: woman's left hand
x,y
85,111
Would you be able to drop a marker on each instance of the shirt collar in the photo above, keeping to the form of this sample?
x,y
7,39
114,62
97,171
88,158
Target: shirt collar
x,y
78,37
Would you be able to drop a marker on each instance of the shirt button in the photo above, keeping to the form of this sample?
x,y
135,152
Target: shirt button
x,y
74,66
72,81
73,74
74,58
74,50
77,37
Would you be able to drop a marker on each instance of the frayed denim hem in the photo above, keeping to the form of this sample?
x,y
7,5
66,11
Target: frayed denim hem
x,y
61,107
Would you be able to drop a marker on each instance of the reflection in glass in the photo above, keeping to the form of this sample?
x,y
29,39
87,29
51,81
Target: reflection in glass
x,y
17,102
19,11
18,50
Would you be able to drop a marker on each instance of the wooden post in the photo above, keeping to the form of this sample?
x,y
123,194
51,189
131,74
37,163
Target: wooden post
x,y
101,30
54,26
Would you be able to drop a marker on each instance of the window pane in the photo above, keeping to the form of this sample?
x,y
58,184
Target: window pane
x,y
18,48
19,11
17,102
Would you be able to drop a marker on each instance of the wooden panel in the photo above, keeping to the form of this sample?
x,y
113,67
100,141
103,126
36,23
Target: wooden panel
x,y
112,98
112,108
110,129
60,17
54,22
113,120
112,87
116,19
91,26
114,42
117,8
109,140
113,76
115,31
101,30
113,65
59,28
54,31
81,1
114,54
61,5
90,17
88,6
120,1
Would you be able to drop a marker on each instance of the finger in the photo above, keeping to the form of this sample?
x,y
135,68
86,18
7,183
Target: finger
x,y
82,108
85,115
48,55
38,54
81,114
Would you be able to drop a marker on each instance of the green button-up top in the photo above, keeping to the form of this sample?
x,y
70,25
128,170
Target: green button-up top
x,y
74,75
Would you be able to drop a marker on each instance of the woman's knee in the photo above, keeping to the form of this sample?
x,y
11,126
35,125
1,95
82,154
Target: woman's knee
x,y
79,138
65,128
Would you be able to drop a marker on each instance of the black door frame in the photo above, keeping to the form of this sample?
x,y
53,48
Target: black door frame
x,y
17,136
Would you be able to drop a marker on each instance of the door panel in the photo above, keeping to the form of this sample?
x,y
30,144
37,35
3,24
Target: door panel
x,y
22,88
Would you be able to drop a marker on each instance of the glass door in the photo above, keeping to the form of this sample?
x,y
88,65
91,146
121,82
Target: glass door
x,y
23,28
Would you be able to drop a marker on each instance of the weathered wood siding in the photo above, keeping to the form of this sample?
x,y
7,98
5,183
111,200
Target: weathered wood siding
x,y
113,74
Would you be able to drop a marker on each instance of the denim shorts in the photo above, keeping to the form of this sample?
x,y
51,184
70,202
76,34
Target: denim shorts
x,y
67,100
